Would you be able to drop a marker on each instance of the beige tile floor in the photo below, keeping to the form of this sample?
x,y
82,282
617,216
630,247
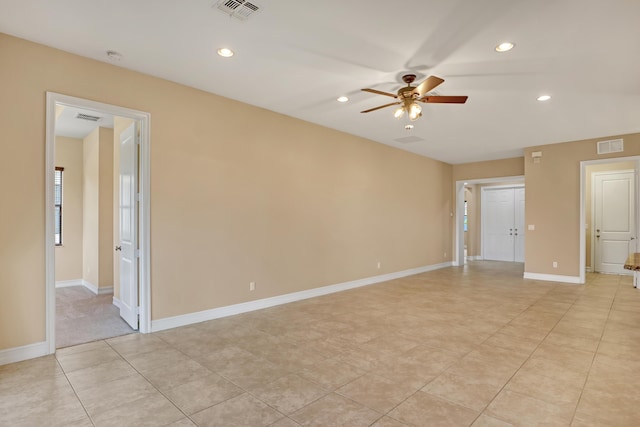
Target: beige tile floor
x,y
476,346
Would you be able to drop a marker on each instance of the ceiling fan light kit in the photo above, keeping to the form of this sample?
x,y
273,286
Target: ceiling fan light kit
x,y
409,96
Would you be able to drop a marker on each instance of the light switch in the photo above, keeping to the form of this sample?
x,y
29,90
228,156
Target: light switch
x,y
531,227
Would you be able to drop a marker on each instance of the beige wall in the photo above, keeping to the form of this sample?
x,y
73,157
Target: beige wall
x,y
90,230
590,170
488,169
105,223
69,255
98,208
553,202
285,203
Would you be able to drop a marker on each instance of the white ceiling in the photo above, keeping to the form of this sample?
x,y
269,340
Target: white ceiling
x,y
296,57
68,124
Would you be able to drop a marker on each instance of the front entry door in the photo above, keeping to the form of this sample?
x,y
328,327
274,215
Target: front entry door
x,y
503,224
614,230
128,245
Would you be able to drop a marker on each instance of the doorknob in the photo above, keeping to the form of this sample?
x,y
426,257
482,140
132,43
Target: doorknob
x,y
118,248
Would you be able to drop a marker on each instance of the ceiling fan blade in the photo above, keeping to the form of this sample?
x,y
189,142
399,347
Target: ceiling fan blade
x,y
445,99
427,85
379,92
382,106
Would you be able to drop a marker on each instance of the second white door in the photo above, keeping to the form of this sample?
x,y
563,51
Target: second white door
x,y
614,220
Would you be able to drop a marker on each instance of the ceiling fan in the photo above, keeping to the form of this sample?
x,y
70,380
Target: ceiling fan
x,y
408,95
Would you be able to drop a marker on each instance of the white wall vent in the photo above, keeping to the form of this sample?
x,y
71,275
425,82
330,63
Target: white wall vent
x,y
88,117
408,139
239,9
611,146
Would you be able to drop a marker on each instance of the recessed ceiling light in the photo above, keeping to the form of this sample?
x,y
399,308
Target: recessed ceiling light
x,y
342,99
505,47
544,97
225,52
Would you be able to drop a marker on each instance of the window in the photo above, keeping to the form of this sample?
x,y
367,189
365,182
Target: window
x,y
465,216
57,198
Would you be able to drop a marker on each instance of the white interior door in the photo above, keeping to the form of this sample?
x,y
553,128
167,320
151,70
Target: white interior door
x,y
614,220
497,219
503,224
518,223
128,244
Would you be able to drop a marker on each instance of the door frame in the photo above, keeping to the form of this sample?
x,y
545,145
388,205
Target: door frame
x,y
483,208
144,229
459,217
583,202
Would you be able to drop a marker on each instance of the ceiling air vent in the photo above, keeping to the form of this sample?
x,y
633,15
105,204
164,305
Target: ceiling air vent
x,y
239,9
88,117
611,146
408,139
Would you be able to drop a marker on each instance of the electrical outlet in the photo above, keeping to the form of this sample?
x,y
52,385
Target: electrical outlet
x,y
252,286
379,265
445,255
555,264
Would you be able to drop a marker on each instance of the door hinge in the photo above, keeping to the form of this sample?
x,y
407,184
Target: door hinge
x,y
137,253
138,197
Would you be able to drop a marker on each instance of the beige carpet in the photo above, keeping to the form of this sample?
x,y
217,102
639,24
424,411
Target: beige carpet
x,y
82,316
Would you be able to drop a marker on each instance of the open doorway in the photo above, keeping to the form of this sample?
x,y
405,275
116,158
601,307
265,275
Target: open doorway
x,y
97,221
469,206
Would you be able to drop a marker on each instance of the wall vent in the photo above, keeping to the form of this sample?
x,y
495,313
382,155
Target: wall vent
x,y
611,146
239,9
88,117
408,139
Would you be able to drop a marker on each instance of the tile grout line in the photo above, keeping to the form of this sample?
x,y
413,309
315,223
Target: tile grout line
x,y
150,383
575,411
529,357
74,391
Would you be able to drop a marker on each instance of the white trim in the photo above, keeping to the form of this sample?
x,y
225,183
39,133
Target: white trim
x,y
97,290
202,316
90,286
144,227
589,270
117,303
475,258
17,354
553,278
69,283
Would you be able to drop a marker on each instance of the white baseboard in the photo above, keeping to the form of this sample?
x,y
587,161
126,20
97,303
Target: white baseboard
x,y
25,352
589,270
69,283
81,282
474,258
117,302
552,278
96,290
216,313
